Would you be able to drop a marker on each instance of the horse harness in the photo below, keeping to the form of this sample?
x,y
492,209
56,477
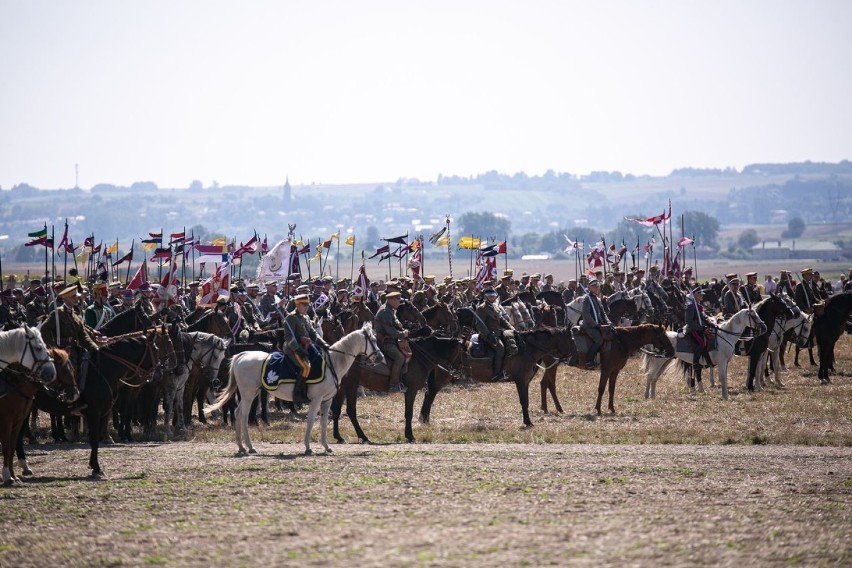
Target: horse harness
x,y
37,363
146,375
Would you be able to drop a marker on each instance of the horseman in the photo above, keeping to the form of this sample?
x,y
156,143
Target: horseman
x,y
100,311
389,331
750,291
114,298
784,284
570,291
495,330
424,298
37,306
300,341
504,288
732,301
594,320
805,295
696,326
65,329
269,300
547,286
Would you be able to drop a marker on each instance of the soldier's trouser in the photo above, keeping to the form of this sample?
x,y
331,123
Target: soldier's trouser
x,y
597,341
83,368
397,359
300,389
499,353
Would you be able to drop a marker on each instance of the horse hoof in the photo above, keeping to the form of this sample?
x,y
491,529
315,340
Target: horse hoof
x,y
309,452
240,453
27,472
329,451
97,475
7,483
252,451
411,441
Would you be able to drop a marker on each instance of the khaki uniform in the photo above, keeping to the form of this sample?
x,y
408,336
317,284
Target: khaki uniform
x,y
389,330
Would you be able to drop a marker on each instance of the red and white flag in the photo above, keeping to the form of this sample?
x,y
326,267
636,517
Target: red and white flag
x,y
651,221
217,286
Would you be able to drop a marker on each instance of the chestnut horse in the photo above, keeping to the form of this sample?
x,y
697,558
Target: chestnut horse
x,y
626,341
429,354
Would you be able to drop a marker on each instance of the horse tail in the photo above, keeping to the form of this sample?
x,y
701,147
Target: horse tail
x,y
226,394
654,367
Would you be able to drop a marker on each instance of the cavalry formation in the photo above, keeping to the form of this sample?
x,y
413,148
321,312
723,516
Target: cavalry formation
x,y
147,354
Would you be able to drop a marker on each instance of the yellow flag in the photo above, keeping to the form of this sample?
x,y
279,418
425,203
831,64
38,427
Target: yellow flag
x,y
221,241
298,242
113,248
318,255
443,241
469,243
335,236
350,240
83,257
149,246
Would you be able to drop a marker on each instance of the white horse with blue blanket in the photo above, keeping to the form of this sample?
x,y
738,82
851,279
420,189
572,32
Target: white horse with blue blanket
x,y
245,379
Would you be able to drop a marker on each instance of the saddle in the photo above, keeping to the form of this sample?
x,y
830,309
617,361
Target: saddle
x,y
278,369
685,343
583,341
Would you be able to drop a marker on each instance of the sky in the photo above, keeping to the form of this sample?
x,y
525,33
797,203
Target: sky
x,y
256,92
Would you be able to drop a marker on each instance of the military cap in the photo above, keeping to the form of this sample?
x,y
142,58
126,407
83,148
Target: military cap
x,y
537,276
489,292
730,276
341,283
222,300
127,294
430,278
698,290
40,292
327,279
751,274
97,286
294,276
355,297
448,279
318,283
302,300
374,283
144,287
687,269
594,282
194,284
807,271
7,293
734,281
392,295
302,289
251,287
546,276
67,292
393,283
508,272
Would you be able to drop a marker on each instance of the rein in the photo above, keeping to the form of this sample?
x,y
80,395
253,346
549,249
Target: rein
x,y
135,367
37,363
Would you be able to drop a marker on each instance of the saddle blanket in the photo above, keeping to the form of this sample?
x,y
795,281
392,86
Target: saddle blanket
x,y
279,369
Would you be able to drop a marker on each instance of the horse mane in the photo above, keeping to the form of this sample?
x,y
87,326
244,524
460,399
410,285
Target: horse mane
x,y
837,309
60,356
430,311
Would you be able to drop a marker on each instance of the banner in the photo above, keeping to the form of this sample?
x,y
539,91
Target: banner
x,y
275,263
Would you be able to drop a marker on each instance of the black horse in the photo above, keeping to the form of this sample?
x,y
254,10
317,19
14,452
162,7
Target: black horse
x,y
828,327
134,358
769,310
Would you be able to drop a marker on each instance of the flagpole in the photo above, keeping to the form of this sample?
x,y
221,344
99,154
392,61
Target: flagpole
x,y
183,263
129,262
694,259
352,269
52,251
449,247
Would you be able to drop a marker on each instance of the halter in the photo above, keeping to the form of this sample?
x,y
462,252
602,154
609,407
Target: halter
x,y
214,348
37,363
415,346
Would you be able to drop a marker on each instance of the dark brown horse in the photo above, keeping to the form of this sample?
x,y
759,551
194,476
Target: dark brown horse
x,y
544,344
430,355
625,342
828,327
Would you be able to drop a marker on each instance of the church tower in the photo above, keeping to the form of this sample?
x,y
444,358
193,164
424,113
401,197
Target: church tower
x,y
288,197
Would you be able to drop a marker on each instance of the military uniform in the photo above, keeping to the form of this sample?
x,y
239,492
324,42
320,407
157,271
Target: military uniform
x,y
593,318
268,304
732,302
389,330
493,327
98,314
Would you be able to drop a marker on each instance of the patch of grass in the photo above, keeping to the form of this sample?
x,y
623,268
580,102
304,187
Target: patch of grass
x,y
7,548
156,559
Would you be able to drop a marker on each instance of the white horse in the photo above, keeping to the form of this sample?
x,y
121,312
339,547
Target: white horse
x,y
640,299
728,334
206,353
573,311
801,326
245,378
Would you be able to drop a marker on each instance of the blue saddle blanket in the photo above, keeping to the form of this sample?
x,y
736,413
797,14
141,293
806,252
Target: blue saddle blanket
x,y
279,369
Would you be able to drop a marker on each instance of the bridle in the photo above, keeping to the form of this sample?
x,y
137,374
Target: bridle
x,y
151,353
30,345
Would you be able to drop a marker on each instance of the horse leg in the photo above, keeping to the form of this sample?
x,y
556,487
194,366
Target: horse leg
x,y
811,356
31,434
168,410
723,378
22,456
264,407
94,421
524,395
601,387
252,416
352,413
181,424
776,367
796,359
241,427
410,396
324,408
313,408
8,451
612,377
336,408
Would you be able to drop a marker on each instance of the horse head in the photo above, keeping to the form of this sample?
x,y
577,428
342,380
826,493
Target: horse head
x,y
661,342
65,385
371,346
34,355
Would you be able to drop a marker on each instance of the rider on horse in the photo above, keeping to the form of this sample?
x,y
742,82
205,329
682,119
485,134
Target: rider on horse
x,y
594,318
496,330
300,340
696,324
389,331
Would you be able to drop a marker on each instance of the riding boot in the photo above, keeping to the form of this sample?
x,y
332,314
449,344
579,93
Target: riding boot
x,y
78,406
590,356
497,367
300,391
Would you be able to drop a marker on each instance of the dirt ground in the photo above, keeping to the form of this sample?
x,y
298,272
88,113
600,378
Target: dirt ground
x,y
196,504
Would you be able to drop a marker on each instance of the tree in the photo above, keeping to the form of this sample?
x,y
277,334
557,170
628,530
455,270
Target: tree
x,y
483,225
748,239
795,228
705,228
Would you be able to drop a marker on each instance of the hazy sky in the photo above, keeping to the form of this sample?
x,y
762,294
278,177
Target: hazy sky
x,y
357,91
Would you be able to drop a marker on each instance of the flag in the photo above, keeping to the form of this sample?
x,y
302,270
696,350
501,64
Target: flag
x,y
381,250
350,240
493,250
215,249
153,241
276,263
89,242
177,236
43,241
63,242
113,248
416,260
83,257
321,300
139,278
401,252
362,284
318,255
102,270
487,270
685,241
69,247
264,246
126,258
436,236
38,234
443,241
97,249
221,241
335,236
168,291
217,285
149,246
162,253
468,243
250,247
400,240
326,244
651,221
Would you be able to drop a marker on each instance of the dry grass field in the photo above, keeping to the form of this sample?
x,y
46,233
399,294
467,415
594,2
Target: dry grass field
x,y
685,479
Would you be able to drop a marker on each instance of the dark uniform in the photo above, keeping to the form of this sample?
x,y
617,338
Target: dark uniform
x,y
495,330
594,318
804,296
299,340
389,330
732,302
696,324
71,335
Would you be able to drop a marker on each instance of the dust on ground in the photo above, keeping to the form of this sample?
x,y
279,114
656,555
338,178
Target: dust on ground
x,y
196,504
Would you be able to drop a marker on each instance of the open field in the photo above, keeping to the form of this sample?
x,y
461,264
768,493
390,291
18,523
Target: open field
x,y
687,478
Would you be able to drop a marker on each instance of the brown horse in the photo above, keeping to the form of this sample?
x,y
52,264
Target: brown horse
x,y
21,382
625,342
430,355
